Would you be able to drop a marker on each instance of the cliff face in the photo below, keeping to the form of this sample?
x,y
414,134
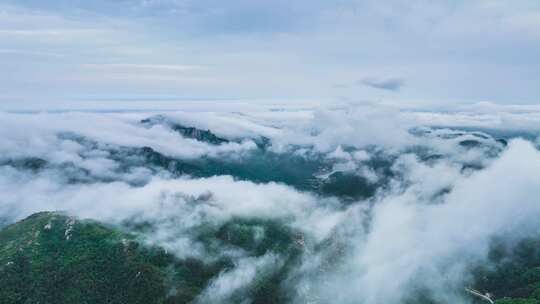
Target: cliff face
x,y
200,135
186,131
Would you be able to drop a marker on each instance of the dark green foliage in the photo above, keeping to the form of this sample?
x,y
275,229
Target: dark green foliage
x,y
200,135
470,143
259,236
471,167
503,142
348,186
15,280
517,301
52,258
29,163
256,237
300,172
513,274
258,165
261,166
190,276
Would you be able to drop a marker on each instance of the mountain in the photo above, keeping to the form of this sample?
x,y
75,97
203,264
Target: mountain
x,y
51,257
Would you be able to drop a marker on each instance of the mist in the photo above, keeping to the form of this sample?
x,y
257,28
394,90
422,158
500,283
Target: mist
x,y
390,210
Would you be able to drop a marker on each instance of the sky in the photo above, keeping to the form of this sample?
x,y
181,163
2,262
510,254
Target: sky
x,y
411,50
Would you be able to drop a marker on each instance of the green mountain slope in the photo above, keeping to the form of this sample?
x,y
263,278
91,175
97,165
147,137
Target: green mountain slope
x,y
54,258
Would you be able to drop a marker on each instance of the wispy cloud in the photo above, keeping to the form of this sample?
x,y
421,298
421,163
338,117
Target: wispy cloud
x,y
280,48
389,84
144,67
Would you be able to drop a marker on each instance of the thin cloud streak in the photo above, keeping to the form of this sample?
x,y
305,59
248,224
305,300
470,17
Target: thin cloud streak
x,y
389,84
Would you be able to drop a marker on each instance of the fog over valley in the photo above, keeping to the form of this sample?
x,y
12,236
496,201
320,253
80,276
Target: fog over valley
x,y
295,204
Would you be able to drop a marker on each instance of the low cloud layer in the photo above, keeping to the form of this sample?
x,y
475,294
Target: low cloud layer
x,y
438,195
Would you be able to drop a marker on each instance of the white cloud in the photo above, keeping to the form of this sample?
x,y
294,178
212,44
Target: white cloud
x,y
248,269
424,228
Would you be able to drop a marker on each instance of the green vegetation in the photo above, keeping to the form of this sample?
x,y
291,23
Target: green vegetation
x,y
517,301
53,258
512,275
30,163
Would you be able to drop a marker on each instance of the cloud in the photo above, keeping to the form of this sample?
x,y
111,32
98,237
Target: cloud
x,y
389,84
143,67
44,141
269,49
228,283
408,235
413,242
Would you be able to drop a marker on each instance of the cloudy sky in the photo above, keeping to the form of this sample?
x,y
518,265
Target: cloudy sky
x,y
434,51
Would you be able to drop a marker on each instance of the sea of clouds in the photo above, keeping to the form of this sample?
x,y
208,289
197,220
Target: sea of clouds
x,y
447,182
